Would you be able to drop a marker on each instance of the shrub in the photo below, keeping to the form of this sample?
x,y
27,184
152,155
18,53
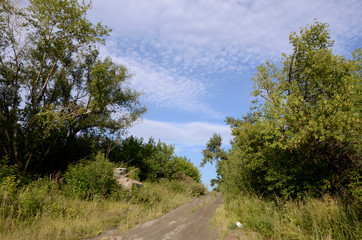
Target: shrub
x,y
9,175
90,179
28,202
155,160
197,189
180,167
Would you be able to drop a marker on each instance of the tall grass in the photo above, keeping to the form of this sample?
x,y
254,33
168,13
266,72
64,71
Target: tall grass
x,y
324,218
42,210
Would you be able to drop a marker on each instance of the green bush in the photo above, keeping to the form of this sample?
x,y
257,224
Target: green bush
x,y
154,160
180,167
90,179
28,202
197,189
9,175
187,185
178,186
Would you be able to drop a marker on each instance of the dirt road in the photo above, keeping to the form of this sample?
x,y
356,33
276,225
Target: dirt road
x,y
190,221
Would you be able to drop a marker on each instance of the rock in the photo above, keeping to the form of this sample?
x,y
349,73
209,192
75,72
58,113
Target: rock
x,y
119,172
239,224
128,182
120,175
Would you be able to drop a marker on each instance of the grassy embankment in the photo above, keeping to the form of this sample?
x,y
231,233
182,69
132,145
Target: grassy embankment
x,y
42,210
324,218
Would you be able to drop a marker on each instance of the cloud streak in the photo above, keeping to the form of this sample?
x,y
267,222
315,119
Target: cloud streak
x,y
173,47
164,88
222,34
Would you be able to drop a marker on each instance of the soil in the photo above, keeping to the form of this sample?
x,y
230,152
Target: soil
x,y
190,221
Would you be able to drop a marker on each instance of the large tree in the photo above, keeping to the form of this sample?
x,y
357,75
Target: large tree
x,y
303,132
53,84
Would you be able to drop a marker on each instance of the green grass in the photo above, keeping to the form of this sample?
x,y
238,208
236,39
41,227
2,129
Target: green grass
x,y
324,218
42,211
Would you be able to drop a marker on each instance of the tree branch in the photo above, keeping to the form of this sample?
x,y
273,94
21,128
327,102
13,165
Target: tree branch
x,y
41,93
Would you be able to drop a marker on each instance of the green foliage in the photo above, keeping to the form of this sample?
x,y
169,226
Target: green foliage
x,y
154,193
90,179
54,86
9,175
44,209
155,160
214,153
180,167
28,202
197,189
302,134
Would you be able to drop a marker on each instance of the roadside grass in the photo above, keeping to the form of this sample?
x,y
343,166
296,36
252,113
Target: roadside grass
x,y
42,211
325,218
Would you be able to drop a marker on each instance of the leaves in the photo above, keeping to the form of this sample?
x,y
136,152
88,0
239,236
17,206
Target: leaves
x,y
54,84
304,132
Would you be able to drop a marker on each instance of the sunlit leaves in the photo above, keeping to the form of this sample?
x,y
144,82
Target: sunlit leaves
x,y
304,132
53,82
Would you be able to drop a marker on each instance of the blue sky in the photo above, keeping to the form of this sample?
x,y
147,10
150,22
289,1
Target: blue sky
x,y
194,59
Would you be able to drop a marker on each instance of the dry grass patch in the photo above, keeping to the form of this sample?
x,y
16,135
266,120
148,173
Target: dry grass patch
x,y
325,218
45,213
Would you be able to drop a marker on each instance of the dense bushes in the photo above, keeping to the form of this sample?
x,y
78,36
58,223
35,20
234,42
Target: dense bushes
x,y
9,175
90,179
302,134
294,169
155,160
28,202
44,209
155,192
73,206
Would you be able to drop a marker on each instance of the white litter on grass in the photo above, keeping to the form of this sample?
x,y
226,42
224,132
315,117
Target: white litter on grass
x,y
239,224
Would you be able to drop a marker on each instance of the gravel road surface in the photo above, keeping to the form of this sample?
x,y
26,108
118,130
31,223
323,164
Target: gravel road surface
x,y
187,222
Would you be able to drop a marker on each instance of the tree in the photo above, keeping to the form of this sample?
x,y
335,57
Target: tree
x,y
302,135
54,85
214,153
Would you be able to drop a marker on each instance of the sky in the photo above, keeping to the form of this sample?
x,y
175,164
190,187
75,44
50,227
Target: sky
x,y
194,59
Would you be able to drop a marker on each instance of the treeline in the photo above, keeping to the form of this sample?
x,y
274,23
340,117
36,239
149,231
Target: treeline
x,y
301,139
154,160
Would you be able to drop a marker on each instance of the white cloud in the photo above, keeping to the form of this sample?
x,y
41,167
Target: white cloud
x,y
164,88
190,134
174,46
203,33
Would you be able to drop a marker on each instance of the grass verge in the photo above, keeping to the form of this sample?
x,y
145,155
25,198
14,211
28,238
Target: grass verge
x,y
325,218
42,211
